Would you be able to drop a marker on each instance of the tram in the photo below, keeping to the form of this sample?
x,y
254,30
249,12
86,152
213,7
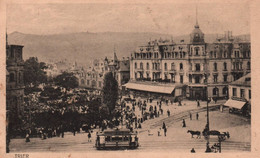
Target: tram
x,y
116,139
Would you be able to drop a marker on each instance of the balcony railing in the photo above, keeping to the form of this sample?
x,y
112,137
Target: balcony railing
x,y
194,72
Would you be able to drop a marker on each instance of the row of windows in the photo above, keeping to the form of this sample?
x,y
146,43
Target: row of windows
x,y
236,65
242,93
239,65
156,66
215,91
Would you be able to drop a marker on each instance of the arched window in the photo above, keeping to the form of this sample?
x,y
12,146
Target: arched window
x,y
197,66
225,65
197,51
12,79
215,66
181,66
180,54
225,91
135,65
165,66
172,66
147,66
141,65
82,81
215,91
248,65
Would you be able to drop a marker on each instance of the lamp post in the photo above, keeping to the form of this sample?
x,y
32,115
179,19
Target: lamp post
x,y
207,125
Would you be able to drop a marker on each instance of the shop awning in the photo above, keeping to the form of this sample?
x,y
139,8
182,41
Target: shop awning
x,y
150,88
235,104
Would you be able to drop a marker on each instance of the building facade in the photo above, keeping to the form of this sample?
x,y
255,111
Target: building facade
x,y
205,69
240,95
14,79
93,77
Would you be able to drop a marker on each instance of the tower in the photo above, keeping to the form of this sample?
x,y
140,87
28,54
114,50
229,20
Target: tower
x,y
197,36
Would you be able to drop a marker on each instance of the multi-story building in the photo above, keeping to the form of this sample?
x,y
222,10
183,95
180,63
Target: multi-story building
x,y
14,79
201,69
94,76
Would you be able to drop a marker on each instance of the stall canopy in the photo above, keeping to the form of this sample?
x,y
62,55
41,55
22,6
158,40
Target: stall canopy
x,y
150,88
235,104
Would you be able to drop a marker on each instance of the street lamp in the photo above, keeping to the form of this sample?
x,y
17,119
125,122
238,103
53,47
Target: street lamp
x,y
207,125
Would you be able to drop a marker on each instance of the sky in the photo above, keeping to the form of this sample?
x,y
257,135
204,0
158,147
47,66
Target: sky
x,y
171,18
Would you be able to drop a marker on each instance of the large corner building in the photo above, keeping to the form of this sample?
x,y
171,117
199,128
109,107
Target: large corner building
x,y
194,69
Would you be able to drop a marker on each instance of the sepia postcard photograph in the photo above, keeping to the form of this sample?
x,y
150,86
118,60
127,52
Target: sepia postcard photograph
x,y
122,77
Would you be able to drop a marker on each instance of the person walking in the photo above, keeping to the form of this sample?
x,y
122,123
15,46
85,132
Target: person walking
x,y
192,150
198,103
163,126
165,131
27,138
197,116
183,123
89,137
190,116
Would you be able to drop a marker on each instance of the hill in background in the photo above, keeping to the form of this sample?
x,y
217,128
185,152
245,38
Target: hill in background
x,y
83,47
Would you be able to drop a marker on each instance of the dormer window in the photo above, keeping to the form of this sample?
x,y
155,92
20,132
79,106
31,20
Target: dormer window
x,y
197,51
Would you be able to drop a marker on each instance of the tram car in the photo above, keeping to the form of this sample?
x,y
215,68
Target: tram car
x,y
116,139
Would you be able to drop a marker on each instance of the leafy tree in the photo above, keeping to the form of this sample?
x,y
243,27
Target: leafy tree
x,y
66,80
51,93
110,91
34,71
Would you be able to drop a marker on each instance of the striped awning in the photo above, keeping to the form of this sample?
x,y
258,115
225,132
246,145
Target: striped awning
x,y
150,88
235,104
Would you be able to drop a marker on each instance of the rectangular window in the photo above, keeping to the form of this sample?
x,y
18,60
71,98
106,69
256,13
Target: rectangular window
x,y
234,92
242,93
225,78
190,78
165,66
181,78
215,78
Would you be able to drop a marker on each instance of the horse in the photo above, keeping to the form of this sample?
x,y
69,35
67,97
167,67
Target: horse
x,y
194,133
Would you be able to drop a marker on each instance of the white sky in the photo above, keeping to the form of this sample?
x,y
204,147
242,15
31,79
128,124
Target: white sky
x,y
175,19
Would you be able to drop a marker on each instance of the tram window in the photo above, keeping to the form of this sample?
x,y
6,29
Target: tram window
x,y
125,138
107,139
116,138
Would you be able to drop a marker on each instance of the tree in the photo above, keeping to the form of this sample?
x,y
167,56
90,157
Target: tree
x,y
110,91
34,71
52,93
66,80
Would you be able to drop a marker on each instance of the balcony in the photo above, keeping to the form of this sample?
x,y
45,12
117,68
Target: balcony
x,y
171,71
237,70
195,72
156,70
139,69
